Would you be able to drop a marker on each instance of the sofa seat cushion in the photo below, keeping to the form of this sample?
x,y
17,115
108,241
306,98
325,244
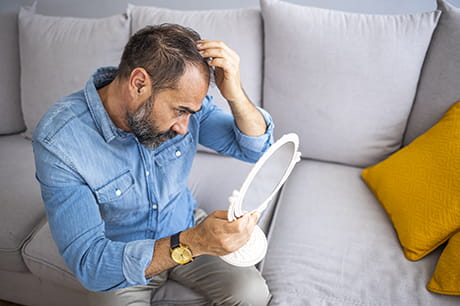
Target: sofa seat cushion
x,y
42,258
24,288
20,200
332,244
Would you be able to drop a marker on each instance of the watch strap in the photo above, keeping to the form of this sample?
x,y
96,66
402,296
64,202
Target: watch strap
x,y
175,241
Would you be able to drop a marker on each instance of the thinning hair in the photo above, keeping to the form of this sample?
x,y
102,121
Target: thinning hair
x,y
165,51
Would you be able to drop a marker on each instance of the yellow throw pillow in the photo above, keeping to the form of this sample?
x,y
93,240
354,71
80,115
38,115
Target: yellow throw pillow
x,y
446,278
419,187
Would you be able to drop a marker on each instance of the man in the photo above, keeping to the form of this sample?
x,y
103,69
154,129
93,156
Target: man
x,y
113,160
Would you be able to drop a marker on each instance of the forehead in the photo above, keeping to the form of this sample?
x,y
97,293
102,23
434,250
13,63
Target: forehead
x,y
191,89
194,81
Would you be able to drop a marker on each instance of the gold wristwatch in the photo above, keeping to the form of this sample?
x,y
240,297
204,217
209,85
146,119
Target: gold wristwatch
x,y
180,253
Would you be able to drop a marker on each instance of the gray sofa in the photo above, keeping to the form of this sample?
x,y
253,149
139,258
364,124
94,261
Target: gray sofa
x,y
354,87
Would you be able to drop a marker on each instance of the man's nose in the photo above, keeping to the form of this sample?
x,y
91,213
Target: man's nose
x,y
181,126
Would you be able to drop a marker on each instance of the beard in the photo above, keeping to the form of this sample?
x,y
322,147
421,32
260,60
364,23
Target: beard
x,y
141,124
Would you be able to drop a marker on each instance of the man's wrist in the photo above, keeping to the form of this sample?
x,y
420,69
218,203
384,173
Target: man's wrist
x,y
242,98
187,238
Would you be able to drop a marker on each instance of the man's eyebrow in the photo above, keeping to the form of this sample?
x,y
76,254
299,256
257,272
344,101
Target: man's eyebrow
x,y
189,110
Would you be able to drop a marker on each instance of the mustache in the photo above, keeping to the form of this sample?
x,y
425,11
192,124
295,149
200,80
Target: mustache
x,y
167,135
152,140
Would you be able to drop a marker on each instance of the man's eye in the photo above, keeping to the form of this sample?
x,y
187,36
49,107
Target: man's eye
x,y
180,112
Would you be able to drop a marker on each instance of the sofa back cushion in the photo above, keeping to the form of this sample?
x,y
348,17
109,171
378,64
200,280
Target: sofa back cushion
x,y
10,103
439,85
59,54
344,82
240,29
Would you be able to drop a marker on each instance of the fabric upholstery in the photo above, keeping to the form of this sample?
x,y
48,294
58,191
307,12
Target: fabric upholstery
x,y
446,277
418,187
331,244
11,120
42,258
59,54
439,85
344,82
21,206
24,288
240,29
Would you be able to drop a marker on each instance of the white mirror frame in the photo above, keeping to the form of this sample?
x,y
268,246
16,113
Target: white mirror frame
x,y
255,249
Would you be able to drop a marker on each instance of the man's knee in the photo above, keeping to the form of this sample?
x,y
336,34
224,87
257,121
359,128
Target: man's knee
x,y
222,283
249,289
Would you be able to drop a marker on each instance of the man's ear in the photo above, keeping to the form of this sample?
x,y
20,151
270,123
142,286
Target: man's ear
x,y
140,85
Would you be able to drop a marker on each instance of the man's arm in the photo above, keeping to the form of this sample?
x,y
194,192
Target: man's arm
x,y
227,74
214,236
78,229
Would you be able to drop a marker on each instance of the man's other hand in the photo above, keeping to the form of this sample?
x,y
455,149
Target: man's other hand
x,y
217,236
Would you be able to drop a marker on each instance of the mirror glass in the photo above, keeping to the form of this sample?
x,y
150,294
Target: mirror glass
x,y
269,177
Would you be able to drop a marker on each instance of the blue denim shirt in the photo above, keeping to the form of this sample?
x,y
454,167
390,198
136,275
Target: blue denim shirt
x,y
107,197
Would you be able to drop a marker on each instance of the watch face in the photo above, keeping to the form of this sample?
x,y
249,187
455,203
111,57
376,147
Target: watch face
x,y
181,255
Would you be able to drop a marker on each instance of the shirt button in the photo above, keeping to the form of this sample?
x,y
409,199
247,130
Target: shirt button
x,y
154,206
118,192
147,173
178,153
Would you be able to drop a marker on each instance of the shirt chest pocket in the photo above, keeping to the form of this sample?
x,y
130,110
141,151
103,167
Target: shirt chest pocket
x,y
117,197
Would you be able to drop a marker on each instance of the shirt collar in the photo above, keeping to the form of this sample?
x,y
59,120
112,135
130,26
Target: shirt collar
x,y
102,77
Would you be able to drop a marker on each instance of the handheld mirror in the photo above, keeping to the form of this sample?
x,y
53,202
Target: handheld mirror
x,y
261,185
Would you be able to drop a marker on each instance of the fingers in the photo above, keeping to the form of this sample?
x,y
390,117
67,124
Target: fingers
x,y
227,64
243,226
209,44
212,44
256,216
220,214
221,55
217,236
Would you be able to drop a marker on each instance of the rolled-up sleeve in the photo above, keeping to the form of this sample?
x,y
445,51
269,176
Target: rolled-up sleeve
x,y
256,143
136,258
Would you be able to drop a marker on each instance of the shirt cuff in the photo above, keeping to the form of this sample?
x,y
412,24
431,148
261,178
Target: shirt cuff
x,y
257,143
137,257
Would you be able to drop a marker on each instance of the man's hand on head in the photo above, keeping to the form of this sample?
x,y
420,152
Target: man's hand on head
x,y
227,68
217,236
227,74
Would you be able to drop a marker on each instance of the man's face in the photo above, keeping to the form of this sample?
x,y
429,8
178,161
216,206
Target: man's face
x,y
165,115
